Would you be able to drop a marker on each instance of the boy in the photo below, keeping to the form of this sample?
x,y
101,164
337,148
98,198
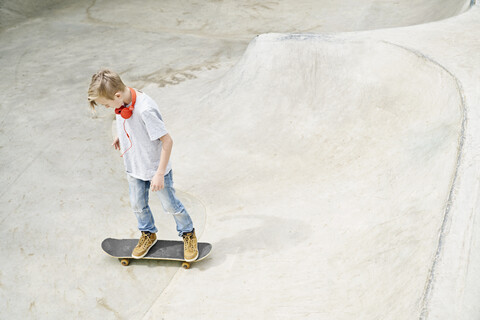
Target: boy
x,y
146,146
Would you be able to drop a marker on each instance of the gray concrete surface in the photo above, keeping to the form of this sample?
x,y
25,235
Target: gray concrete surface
x,y
335,173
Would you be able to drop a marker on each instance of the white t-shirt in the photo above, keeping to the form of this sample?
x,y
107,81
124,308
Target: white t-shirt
x,y
145,127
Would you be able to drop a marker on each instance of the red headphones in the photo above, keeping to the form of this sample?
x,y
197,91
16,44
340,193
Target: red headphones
x,y
127,112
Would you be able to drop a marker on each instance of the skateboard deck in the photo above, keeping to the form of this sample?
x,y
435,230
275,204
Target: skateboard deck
x,y
162,250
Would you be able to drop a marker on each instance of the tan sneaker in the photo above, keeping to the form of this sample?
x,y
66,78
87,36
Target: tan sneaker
x,y
190,246
147,240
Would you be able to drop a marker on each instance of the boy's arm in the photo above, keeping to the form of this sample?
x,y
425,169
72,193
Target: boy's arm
x,y
158,180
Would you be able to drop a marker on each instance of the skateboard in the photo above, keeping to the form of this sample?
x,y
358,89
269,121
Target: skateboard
x,y
162,250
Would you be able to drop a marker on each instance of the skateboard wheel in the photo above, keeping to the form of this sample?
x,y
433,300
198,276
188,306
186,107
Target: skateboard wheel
x,y
125,262
186,265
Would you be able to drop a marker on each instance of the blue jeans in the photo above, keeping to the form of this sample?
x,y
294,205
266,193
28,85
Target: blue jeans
x,y
139,191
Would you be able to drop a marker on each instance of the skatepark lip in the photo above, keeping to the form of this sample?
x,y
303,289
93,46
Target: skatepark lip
x,y
321,16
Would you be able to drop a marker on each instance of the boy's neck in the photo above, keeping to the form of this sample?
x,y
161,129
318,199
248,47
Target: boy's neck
x,y
127,96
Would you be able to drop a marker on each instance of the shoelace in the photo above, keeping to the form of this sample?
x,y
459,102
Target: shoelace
x,y
189,243
146,241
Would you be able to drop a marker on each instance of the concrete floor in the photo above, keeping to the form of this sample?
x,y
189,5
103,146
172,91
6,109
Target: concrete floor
x,y
332,160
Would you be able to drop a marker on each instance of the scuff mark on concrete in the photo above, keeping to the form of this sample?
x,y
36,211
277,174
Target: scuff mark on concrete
x,y
429,285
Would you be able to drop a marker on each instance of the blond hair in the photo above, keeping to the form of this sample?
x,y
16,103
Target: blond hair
x,y
105,83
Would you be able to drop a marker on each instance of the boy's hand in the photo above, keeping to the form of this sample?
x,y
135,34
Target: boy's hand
x,y
157,183
116,143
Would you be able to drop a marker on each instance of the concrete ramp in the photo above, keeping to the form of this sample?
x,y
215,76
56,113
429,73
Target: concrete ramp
x,y
336,176
333,163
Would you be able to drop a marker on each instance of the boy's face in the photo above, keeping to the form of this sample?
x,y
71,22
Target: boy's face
x,y
117,101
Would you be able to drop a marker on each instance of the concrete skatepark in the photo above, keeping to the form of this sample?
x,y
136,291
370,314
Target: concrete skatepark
x,y
329,152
